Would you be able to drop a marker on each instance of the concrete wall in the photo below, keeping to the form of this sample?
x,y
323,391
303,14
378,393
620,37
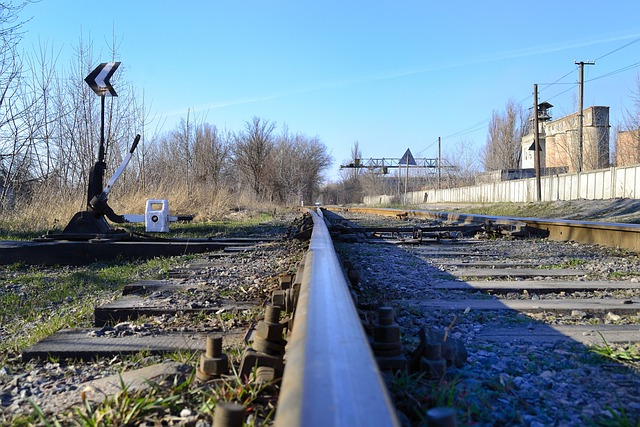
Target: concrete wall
x,y
611,183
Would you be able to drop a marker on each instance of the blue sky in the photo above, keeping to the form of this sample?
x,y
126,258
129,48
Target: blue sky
x,y
391,75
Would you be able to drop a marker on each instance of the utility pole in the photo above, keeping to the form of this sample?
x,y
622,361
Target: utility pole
x,y
439,162
581,110
536,142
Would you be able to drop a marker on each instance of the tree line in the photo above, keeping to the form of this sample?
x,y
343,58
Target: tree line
x,y
50,133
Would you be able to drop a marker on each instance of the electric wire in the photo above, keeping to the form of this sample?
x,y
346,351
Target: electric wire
x,y
470,129
619,70
620,48
479,125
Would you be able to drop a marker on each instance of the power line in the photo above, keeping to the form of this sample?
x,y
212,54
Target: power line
x,y
563,92
619,70
429,146
468,130
620,48
475,127
556,82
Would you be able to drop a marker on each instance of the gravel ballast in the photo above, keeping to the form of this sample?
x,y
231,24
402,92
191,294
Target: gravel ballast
x,y
515,382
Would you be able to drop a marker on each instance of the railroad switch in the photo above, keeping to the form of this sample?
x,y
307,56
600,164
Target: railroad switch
x,y
386,342
214,363
268,345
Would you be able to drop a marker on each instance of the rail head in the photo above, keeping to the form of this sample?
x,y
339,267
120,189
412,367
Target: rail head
x,y
331,376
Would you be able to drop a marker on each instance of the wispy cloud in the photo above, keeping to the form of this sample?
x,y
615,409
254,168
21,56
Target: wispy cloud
x,y
400,73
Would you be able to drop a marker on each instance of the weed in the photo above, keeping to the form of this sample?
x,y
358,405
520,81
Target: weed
x,y
623,274
618,418
186,357
410,392
164,403
35,303
626,354
574,262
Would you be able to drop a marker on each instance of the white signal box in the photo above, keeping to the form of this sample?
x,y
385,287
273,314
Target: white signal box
x,y
156,216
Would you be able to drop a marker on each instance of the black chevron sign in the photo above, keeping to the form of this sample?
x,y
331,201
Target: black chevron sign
x,y
98,80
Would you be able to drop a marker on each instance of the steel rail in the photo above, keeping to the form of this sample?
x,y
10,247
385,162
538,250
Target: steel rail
x,y
331,377
610,234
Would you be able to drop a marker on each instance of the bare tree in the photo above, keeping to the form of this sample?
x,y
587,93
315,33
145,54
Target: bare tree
x,y
211,154
506,129
350,184
295,168
284,181
627,134
14,149
10,23
251,150
461,164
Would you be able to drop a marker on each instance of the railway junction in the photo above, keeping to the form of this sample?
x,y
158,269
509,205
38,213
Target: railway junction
x,y
380,318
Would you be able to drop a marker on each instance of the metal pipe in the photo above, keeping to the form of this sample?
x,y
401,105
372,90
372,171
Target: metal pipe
x,y
123,165
331,377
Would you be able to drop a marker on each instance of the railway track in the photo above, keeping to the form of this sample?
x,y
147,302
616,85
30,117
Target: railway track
x,y
517,320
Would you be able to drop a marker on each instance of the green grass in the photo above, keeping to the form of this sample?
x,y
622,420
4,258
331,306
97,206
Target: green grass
x,y
628,354
617,418
36,302
413,395
520,210
165,403
570,263
573,262
214,229
623,274
244,225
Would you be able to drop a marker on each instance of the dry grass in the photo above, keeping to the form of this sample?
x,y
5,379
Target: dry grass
x,y
43,211
202,202
51,209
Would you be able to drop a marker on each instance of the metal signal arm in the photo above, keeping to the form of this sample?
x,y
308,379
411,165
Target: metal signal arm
x,y
98,204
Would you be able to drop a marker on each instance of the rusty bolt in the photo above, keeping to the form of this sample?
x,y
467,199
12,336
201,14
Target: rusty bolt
x,y
386,334
268,337
385,316
386,340
214,362
285,281
265,374
227,414
386,331
432,351
441,417
279,298
433,369
272,314
269,347
270,331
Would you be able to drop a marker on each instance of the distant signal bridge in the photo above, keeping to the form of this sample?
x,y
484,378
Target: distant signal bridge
x,y
383,165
